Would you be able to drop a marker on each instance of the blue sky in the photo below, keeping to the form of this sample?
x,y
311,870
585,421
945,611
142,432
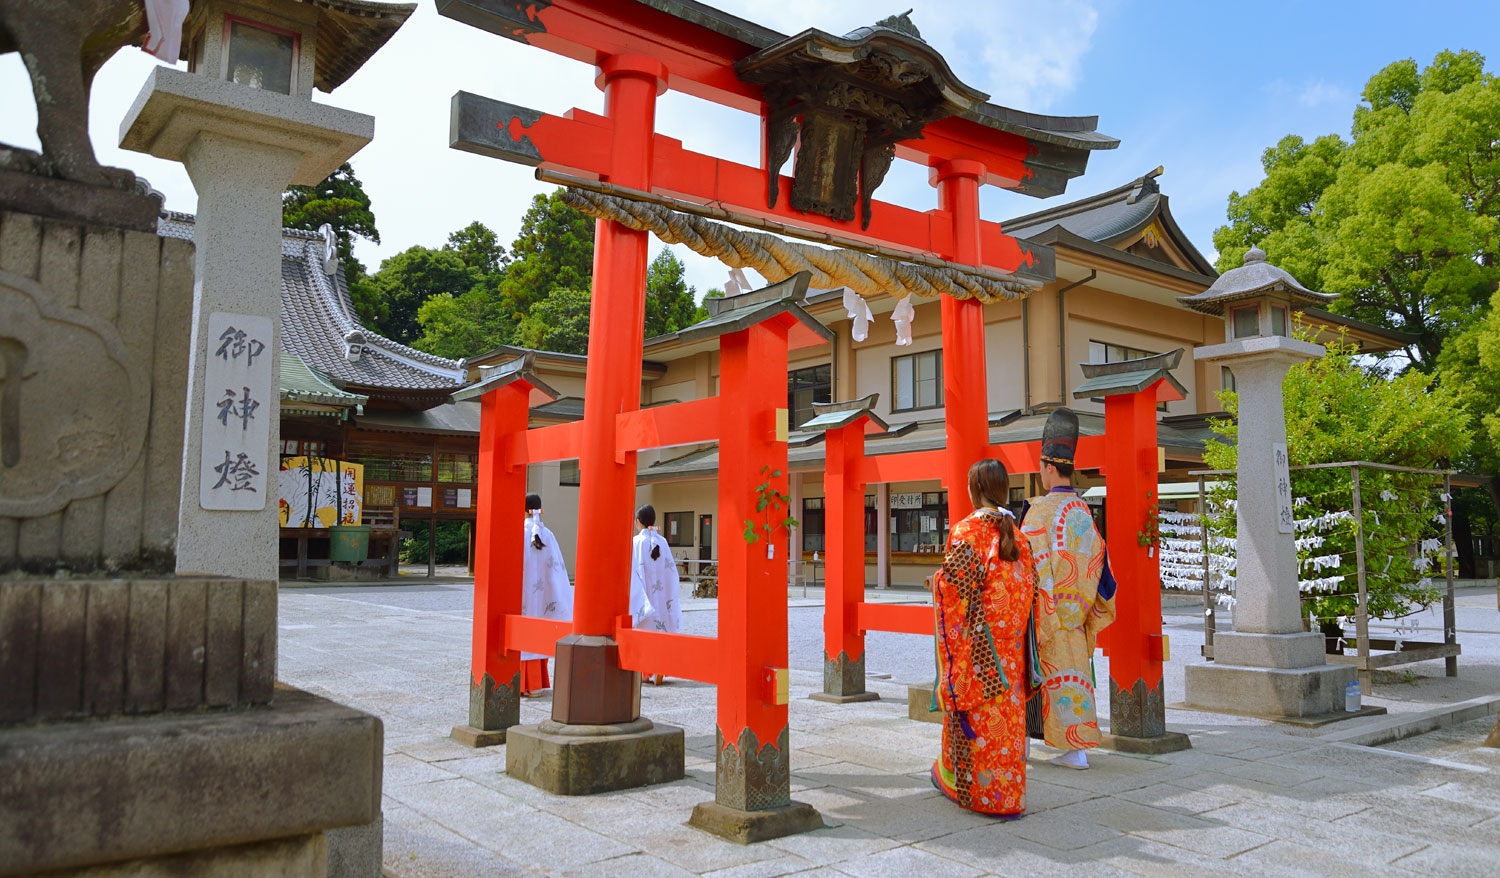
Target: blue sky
x,y
1199,87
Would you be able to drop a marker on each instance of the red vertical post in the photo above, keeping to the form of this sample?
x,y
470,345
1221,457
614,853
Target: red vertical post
x,y
591,688
965,392
1137,708
752,586
844,526
494,685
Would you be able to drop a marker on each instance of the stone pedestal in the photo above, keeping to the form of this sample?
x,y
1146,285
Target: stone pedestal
x,y
844,681
274,791
1275,675
579,760
597,741
919,705
242,146
752,793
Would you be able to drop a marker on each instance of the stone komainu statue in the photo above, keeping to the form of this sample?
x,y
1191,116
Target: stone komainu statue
x,y
63,44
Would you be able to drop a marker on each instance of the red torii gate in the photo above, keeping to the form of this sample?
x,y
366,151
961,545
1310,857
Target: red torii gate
x,y
641,48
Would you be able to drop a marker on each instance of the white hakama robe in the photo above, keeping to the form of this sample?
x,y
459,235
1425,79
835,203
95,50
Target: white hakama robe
x,y
654,600
545,590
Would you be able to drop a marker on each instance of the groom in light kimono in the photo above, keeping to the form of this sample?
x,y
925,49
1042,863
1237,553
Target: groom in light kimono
x,y
1075,597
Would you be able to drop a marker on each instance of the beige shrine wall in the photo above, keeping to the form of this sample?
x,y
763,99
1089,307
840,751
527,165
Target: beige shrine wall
x,y
1097,315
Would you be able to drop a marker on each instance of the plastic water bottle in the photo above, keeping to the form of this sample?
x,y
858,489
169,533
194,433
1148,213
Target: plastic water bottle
x,y
1351,697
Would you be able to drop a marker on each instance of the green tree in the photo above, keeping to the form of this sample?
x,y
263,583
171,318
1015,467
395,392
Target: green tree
x,y
1336,411
1400,220
559,322
553,251
670,302
407,280
461,326
479,248
339,201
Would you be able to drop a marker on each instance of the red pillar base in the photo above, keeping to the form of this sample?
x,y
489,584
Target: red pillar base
x,y
748,827
844,681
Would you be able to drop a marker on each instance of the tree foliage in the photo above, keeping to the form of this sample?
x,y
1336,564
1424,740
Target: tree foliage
x,y
407,280
559,322
479,248
554,250
670,302
1400,220
461,326
339,201
1338,411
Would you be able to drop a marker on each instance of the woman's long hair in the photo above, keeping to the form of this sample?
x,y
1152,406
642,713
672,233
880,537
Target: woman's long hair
x,y
989,483
646,515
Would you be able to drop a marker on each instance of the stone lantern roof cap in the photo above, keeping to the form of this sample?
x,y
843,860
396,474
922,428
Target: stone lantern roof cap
x,y
1256,277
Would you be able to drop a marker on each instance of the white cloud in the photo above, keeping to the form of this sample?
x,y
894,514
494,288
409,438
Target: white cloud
x,y
1319,92
422,190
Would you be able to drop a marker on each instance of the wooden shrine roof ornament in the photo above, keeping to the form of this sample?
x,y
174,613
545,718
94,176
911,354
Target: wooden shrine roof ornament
x,y
849,100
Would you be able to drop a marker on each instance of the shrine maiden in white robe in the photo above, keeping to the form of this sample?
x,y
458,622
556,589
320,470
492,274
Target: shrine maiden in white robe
x,y
654,603
545,590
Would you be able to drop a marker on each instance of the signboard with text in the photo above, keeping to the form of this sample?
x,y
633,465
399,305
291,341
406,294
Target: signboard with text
x,y
1283,476
238,405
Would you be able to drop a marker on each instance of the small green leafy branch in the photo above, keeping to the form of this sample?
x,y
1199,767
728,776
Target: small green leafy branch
x,y
769,502
1151,535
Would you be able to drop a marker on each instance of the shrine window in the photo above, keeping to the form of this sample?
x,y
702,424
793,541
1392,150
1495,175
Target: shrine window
x,y
567,473
392,464
812,525
919,522
917,381
677,527
458,467
303,448
805,387
1226,379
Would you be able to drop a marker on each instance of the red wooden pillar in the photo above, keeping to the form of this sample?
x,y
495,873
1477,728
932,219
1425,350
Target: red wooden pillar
x,y
753,769
1136,646
591,687
965,393
495,676
844,526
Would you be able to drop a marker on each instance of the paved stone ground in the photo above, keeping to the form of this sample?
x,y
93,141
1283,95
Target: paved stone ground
x,y
1250,798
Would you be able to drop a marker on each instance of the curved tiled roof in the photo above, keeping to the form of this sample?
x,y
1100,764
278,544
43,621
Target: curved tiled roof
x,y
317,313
1111,218
1104,218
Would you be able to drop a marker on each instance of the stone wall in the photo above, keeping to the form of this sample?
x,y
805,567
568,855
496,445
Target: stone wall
x,y
76,648
94,333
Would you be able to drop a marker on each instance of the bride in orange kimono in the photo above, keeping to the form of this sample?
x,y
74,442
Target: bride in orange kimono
x,y
982,601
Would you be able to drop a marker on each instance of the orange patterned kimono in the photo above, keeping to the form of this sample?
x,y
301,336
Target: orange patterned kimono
x,y
982,604
1076,600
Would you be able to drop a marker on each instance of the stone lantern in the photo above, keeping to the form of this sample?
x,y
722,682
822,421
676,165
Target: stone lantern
x,y
243,121
1268,665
